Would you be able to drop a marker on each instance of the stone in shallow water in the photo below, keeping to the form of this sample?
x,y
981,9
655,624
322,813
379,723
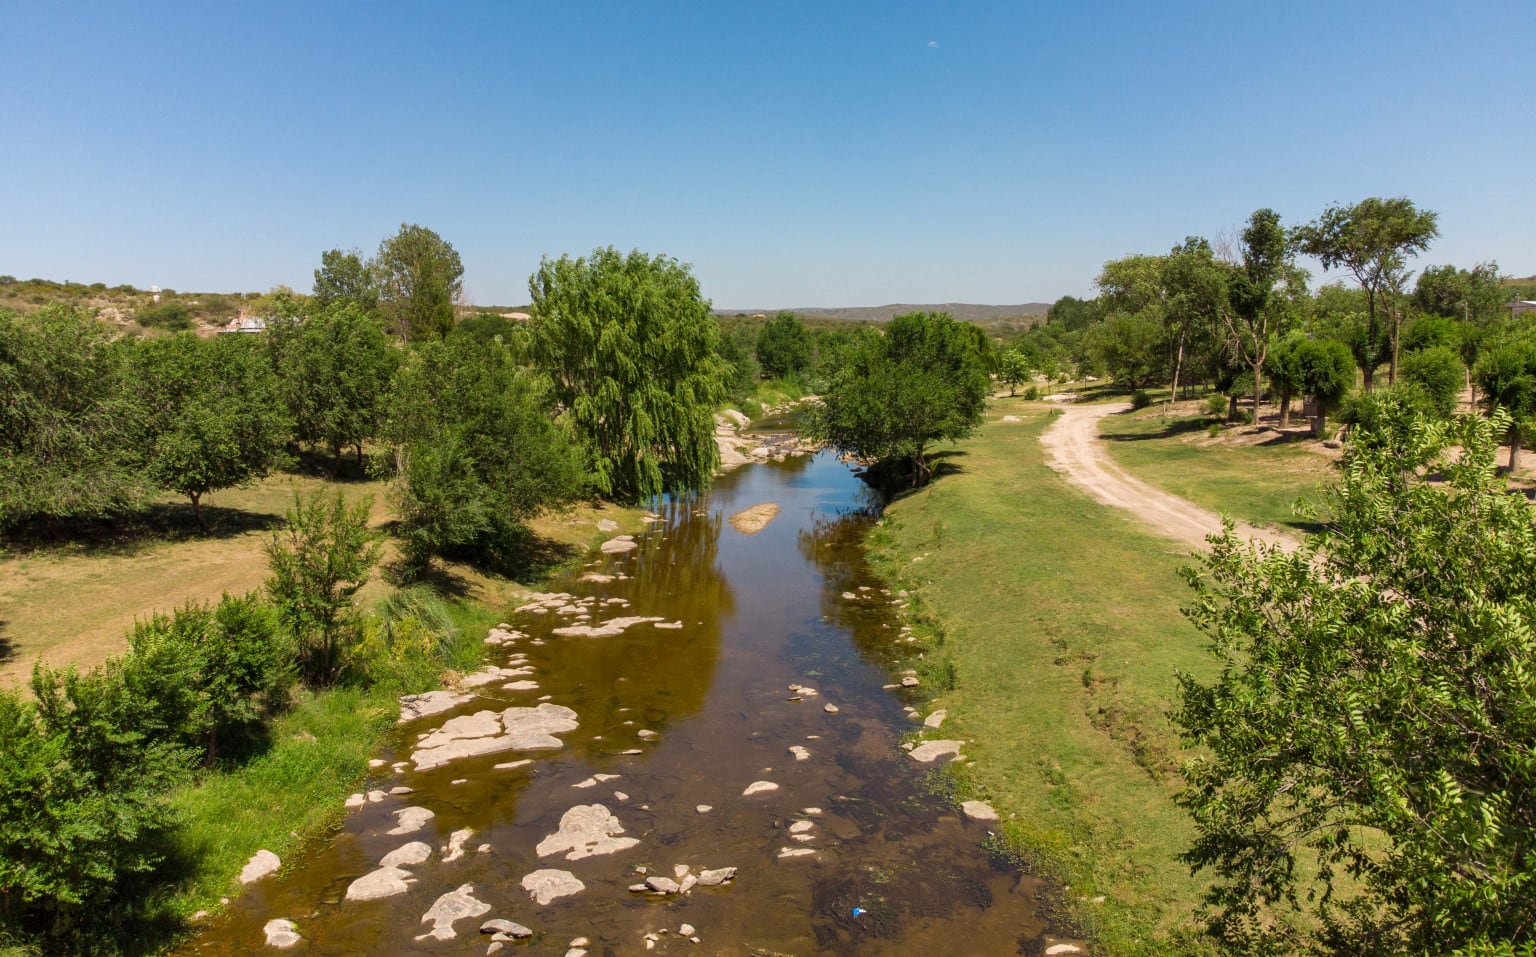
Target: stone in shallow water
x,y
800,753
526,729
409,820
716,876
407,855
795,852
586,830
605,629
281,933
502,926
929,751
620,545
935,719
261,864
759,787
548,885
455,848
384,882
456,905
658,884
750,521
413,706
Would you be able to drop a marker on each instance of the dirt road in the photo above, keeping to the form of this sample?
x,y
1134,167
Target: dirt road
x,y
1074,449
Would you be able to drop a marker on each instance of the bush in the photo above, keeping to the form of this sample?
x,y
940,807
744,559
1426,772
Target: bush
x,y
317,564
168,315
1216,404
1214,430
1439,372
1032,393
1140,399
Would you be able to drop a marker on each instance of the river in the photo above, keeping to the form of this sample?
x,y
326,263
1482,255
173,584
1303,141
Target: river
x,y
682,718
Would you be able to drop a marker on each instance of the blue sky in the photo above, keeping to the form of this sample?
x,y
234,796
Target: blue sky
x,y
797,154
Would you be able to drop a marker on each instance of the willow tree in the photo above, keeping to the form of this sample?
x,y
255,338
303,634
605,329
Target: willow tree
x,y
633,351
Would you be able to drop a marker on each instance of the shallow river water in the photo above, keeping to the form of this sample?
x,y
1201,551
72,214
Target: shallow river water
x,y
703,711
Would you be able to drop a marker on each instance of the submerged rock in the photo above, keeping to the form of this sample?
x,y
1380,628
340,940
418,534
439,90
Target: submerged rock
x,y
586,830
759,787
607,629
548,885
281,933
522,729
750,521
261,864
456,905
409,820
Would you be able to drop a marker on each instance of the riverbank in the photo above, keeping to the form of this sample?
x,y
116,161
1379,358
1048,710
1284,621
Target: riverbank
x,y
1057,622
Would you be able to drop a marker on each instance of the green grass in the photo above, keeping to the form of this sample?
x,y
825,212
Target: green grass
x,y
1259,483
1060,619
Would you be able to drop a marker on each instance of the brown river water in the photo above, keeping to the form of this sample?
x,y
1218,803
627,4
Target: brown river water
x,y
893,869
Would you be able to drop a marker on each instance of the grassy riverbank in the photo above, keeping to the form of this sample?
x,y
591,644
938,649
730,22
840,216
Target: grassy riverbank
x,y
1257,478
1061,621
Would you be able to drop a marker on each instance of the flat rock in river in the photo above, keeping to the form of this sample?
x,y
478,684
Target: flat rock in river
x,y
548,885
750,521
384,882
456,905
281,933
586,830
413,706
930,751
525,729
407,855
261,864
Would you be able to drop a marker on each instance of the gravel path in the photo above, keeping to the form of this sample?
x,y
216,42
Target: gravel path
x,y
1074,449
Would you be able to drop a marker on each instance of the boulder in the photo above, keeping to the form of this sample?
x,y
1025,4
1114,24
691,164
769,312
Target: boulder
x,y
548,885
979,811
935,719
759,787
620,545
413,706
384,882
929,751
409,820
717,876
657,884
407,855
454,906
501,926
261,864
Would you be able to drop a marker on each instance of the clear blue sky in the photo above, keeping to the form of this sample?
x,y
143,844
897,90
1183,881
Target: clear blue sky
x,y
797,154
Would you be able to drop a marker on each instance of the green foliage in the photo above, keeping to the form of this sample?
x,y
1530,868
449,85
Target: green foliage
x,y
65,449
633,352
477,452
1140,399
172,316
1436,371
1216,404
1071,313
1132,347
317,564
1427,331
334,370
1324,371
210,413
784,346
1338,803
343,277
1473,295
895,394
419,276
1014,368
1506,375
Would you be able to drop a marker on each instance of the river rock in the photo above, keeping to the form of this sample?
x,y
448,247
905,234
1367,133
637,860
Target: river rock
x,y
526,729
523,685
413,706
409,820
909,682
606,629
549,885
785,852
935,719
802,827
717,876
1057,949
455,848
830,708
607,525
658,884
929,751
407,855
703,808
384,882
800,753
456,905
759,787
281,933
261,864
586,830
620,545
979,811
502,926
750,521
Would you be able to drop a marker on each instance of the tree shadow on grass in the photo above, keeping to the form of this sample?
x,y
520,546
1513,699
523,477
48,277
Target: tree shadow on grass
x,y
319,463
893,480
158,523
525,558
7,650
1169,430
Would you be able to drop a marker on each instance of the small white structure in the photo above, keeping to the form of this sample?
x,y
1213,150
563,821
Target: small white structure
x,y
1519,307
244,322
154,292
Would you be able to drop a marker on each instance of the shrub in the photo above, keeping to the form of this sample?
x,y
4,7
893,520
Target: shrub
x,y
1140,399
1216,404
1214,430
168,315
317,564
1032,393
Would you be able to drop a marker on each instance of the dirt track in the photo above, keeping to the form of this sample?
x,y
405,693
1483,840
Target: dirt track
x,y
1074,449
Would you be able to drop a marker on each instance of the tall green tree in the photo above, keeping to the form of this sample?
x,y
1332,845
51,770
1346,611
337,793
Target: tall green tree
x,y
476,452
1471,295
65,447
419,277
1015,369
1255,311
1373,240
891,396
633,352
1194,290
209,412
1506,374
344,276
1363,781
336,378
1132,346
784,346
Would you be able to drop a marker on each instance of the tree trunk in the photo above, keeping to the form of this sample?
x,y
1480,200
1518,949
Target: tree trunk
x,y
1178,364
1231,407
1285,407
1320,422
360,456
1397,334
1258,368
197,509
1514,449
1366,376
336,460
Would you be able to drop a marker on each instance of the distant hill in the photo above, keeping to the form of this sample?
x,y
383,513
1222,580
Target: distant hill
x,y
972,312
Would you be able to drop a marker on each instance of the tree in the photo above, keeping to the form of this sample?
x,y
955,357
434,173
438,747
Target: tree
x,y
1372,240
1014,368
1324,370
344,277
336,378
1253,311
1437,372
419,278
892,395
1363,782
65,449
1471,295
1506,374
1194,288
477,452
210,414
1131,346
1285,372
633,352
784,346
316,565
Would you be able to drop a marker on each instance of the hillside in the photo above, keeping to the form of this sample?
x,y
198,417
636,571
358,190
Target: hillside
x,y
972,312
